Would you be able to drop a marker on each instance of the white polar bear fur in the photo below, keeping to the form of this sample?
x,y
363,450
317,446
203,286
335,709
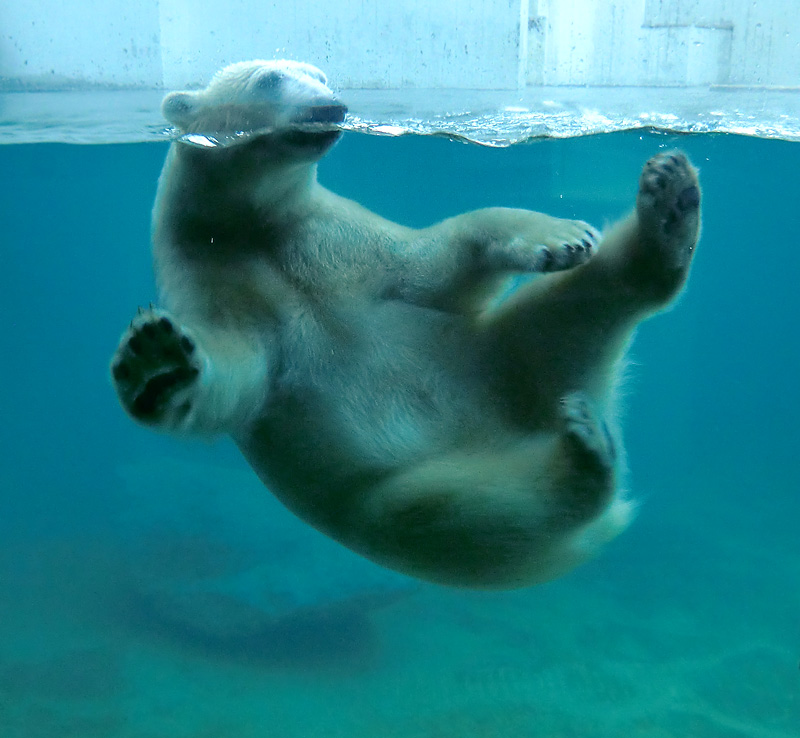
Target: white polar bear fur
x,y
356,364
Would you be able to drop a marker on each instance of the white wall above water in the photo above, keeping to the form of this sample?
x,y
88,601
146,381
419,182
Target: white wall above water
x,y
516,46
484,44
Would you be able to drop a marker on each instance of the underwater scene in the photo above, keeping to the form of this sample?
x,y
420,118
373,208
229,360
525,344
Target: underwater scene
x,y
152,588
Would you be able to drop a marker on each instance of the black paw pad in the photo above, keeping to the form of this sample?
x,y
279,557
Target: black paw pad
x,y
689,199
154,367
120,371
160,388
187,345
135,345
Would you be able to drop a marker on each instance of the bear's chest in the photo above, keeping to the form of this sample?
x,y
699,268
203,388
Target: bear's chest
x,y
363,389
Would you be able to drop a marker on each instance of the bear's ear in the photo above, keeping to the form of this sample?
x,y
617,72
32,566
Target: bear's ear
x,y
178,108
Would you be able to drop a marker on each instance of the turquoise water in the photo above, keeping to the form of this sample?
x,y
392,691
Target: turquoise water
x,y
150,588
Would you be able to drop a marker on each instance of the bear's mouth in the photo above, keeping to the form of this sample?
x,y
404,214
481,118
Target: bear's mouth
x,y
320,114
317,127
301,139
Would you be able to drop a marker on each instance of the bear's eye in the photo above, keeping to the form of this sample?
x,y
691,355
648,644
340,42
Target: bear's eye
x,y
268,81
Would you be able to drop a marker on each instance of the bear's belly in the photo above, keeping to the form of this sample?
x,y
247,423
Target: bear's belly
x,y
365,393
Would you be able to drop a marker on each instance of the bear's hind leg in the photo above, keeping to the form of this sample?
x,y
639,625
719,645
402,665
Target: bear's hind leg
x,y
568,331
498,518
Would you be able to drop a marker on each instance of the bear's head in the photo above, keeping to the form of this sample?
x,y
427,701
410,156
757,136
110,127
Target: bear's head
x,y
284,106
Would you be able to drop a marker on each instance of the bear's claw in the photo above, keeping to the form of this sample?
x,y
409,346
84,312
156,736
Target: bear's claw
x,y
568,253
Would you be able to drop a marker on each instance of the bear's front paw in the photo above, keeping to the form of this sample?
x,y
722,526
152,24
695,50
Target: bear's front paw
x,y
547,245
568,244
155,368
574,245
668,205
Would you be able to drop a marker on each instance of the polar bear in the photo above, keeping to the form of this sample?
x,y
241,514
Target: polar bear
x,y
376,377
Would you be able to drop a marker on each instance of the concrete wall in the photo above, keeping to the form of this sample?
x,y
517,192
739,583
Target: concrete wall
x,y
665,42
485,44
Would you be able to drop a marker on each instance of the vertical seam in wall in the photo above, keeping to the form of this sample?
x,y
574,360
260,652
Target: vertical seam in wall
x,y
522,44
161,45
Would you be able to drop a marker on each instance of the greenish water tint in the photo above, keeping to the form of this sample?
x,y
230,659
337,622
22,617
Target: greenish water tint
x,y
149,588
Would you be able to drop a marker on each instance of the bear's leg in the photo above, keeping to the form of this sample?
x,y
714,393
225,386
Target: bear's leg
x,y
568,331
461,263
499,518
178,380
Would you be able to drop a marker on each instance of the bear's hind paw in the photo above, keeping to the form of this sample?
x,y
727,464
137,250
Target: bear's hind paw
x,y
668,205
154,369
586,434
